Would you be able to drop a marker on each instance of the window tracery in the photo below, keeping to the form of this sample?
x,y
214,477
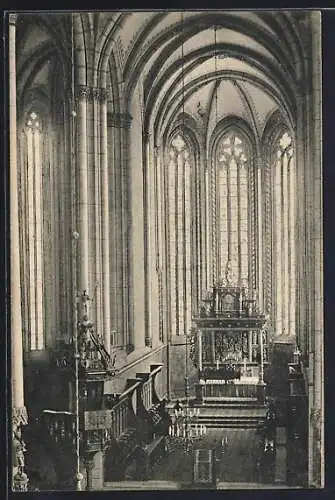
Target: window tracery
x,y
284,235
232,206
180,234
34,229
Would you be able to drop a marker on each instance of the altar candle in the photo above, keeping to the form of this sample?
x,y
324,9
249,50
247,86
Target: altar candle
x,y
245,365
217,364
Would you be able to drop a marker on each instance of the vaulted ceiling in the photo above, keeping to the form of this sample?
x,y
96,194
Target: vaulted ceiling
x,y
210,64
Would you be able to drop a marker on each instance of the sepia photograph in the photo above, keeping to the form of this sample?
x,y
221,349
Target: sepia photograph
x,y
166,300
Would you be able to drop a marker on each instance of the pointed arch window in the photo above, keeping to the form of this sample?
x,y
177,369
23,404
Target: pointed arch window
x,y
181,158
34,301
232,205
284,235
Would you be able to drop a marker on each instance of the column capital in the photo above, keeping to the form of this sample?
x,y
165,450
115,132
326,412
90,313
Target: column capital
x,y
99,94
82,92
12,18
92,93
20,478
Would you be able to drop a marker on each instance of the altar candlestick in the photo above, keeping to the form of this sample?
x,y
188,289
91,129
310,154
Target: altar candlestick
x,y
217,364
245,365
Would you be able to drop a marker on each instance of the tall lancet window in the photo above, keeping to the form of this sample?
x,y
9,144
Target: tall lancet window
x,y
33,233
180,234
232,206
284,237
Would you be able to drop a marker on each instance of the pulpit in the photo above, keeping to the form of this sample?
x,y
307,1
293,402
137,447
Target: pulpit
x,y
231,344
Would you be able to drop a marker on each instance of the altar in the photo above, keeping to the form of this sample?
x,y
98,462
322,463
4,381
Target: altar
x,y
231,344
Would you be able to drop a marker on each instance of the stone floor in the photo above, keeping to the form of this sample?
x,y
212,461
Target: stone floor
x,y
236,463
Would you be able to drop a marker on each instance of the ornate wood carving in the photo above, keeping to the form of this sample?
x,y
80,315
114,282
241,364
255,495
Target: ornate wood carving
x,y
20,478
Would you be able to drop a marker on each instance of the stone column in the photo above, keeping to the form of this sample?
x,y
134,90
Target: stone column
x,y
94,170
260,235
278,249
123,122
149,222
316,465
105,220
285,247
19,413
292,247
118,125
83,225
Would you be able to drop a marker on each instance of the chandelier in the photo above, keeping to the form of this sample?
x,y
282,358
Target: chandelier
x,y
185,429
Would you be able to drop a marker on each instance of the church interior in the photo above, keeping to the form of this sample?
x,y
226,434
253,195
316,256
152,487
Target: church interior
x,y
166,250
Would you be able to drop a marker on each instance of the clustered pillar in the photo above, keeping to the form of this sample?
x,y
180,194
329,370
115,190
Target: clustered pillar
x,y
19,413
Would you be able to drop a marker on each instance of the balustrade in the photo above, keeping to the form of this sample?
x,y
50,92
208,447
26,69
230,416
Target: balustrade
x,y
220,389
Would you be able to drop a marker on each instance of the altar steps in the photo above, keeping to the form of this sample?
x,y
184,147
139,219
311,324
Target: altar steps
x,y
237,422
232,415
230,403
